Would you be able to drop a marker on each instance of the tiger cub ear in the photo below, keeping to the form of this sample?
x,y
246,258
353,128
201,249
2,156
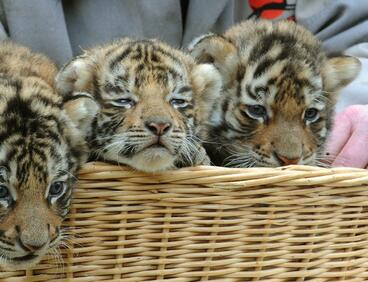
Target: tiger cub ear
x,y
216,50
207,84
76,76
338,72
82,109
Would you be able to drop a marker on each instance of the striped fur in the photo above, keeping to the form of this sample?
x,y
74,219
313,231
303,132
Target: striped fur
x,y
40,149
279,93
139,83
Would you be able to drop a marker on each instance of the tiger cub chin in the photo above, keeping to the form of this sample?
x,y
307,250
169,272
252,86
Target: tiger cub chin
x,y
152,100
41,147
278,97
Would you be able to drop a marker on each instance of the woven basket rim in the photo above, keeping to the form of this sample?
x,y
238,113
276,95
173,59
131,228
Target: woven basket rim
x,y
230,178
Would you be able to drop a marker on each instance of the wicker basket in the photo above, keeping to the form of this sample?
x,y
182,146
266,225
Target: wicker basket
x,y
214,224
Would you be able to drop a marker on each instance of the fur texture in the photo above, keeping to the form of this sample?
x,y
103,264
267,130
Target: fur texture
x,y
41,148
152,99
279,93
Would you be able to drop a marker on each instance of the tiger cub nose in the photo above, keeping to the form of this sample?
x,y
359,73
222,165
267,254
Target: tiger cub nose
x,y
286,160
158,128
33,239
32,247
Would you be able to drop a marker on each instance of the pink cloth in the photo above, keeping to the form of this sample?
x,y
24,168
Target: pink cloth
x,y
348,142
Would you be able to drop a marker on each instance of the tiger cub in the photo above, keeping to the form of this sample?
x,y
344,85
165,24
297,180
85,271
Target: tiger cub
x,y
152,100
279,94
41,146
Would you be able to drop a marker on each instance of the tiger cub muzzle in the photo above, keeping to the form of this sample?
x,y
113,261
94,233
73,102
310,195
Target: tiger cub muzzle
x,y
155,144
160,129
29,232
150,135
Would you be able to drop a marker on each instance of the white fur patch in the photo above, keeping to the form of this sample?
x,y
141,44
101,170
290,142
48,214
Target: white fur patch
x,y
195,41
208,79
148,160
73,76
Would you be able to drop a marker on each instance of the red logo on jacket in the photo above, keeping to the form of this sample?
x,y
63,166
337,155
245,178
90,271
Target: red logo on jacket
x,y
269,9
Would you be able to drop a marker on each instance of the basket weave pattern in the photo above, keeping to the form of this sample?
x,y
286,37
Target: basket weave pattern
x,y
214,224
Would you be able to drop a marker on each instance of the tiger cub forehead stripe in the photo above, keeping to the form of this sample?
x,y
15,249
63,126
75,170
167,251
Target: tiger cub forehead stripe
x,y
277,102
144,50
